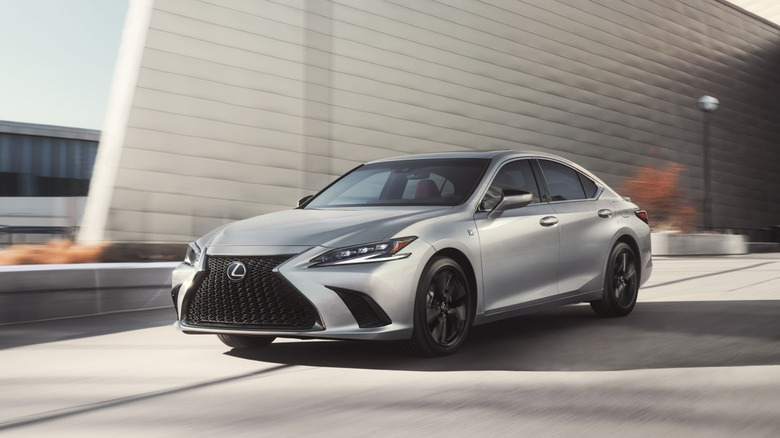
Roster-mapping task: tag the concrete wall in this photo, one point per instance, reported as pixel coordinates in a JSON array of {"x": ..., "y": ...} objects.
[
  {"x": 225, "y": 109},
  {"x": 39, "y": 292},
  {"x": 674, "y": 244}
]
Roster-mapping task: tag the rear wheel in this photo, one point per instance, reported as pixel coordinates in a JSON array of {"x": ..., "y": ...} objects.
[
  {"x": 621, "y": 283},
  {"x": 243, "y": 341},
  {"x": 442, "y": 310}
]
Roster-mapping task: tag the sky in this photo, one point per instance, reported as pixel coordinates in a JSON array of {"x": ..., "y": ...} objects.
[{"x": 57, "y": 60}]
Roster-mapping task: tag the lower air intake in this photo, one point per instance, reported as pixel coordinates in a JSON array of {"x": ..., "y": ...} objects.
[{"x": 366, "y": 311}]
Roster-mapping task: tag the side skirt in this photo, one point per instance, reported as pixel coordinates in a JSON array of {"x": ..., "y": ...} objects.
[{"x": 541, "y": 304}]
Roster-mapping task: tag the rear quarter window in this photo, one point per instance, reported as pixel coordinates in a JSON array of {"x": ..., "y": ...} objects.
[
  {"x": 588, "y": 185},
  {"x": 562, "y": 181}
]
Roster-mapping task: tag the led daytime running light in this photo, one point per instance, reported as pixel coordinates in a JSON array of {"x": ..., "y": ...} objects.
[{"x": 370, "y": 252}]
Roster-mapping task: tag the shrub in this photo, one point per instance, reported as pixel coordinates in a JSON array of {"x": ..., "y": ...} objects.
[
  {"x": 66, "y": 251},
  {"x": 53, "y": 252},
  {"x": 658, "y": 191}
]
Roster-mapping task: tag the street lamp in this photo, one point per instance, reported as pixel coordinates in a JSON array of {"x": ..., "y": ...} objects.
[{"x": 708, "y": 105}]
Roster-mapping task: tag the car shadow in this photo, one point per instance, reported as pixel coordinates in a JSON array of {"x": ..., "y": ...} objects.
[{"x": 572, "y": 338}]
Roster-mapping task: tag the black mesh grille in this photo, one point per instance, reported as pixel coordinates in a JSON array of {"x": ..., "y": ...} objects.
[{"x": 263, "y": 299}]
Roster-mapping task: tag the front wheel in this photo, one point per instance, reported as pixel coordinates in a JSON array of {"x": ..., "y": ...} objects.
[
  {"x": 442, "y": 310},
  {"x": 621, "y": 283},
  {"x": 243, "y": 341}
]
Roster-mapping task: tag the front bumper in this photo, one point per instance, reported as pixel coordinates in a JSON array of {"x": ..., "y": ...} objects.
[{"x": 390, "y": 287}]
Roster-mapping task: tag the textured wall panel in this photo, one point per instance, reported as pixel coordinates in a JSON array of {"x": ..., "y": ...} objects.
[{"x": 241, "y": 107}]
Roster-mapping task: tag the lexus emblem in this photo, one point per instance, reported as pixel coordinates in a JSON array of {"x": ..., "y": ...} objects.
[{"x": 236, "y": 271}]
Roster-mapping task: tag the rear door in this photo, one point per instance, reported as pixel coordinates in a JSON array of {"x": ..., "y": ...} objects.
[{"x": 587, "y": 226}]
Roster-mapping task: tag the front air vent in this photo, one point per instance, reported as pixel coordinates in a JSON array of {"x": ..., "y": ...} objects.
[{"x": 365, "y": 310}]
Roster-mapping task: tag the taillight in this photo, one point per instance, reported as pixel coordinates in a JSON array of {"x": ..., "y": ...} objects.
[{"x": 642, "y": 214}]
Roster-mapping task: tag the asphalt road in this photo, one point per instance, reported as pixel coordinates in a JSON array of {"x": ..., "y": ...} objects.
[{"x": 699, "y": 357}]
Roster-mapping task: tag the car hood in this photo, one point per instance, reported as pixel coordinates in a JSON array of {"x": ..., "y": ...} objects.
[{"x": 322, "y": 227}]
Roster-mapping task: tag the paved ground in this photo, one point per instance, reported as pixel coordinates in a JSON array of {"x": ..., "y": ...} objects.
[{"x": 699, "y": 357}]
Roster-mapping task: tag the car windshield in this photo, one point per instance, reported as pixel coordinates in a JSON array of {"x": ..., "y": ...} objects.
[{"x": 443, "y": 181}]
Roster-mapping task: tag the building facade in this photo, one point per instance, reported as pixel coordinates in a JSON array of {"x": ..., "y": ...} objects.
[
  {"x": 45, "y": 173},
  {"x": 225, "y": 109}
]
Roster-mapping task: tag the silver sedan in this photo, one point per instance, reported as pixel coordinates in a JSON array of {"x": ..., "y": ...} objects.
[{"x": 418, "y": 249}]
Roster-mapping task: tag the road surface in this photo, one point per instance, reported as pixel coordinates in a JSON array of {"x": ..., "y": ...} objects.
[{"x": 699, "y": 357}]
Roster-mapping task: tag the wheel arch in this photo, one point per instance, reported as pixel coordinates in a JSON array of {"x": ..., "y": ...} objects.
[
  {"x": 471, "y": 276},
  {"x": 632, "y": 243},
  {"x": 607, "y": 305}
]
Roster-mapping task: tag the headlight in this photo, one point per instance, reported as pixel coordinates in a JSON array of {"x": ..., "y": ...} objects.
[
  {"x": 193, "y": 254},
  {"x": 366, "y": 253}
]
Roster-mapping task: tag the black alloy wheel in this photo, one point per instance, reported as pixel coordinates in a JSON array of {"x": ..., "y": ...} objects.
[
  {"x": 621, "y": 283},
  {"x": 442, "y": 313}
]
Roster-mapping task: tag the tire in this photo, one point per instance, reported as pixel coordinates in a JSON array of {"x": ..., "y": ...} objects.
[
  {"x": 621, "y": 283},
  {"x": 442, "y": 311},
  {"x": 244, "y": 341}
]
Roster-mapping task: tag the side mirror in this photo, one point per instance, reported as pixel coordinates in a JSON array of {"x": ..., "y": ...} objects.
[
  {"x": 512, "y": 199},
  {"x": 304, "y": 200}
]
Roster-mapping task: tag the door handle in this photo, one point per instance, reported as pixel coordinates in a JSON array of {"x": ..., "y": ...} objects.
[
  {"x": 548, "y": 221},
  {"x": 606, "y": 214}
]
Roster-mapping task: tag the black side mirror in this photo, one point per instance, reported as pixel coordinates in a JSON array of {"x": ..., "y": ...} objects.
[
  {"x": 512, "y": 199},
  {"x": 304, "y": 200}
]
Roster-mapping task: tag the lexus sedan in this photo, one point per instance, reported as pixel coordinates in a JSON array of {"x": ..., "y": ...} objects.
[{"x": 418, "y": 249}]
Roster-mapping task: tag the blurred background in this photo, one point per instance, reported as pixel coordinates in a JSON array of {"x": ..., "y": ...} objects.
[{"x": 219, "y": 110}]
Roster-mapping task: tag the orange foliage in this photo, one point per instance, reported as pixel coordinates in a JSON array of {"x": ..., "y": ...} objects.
[
  {"x": 54, "y": 252},
  {"x": 658, "y": 191}
]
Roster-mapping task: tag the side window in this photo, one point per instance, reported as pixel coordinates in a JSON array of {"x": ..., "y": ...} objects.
[
  {"x": 563, "y": 181},
  {"x": 515, "y": 175},
  {"x": 590, "y": 187}
]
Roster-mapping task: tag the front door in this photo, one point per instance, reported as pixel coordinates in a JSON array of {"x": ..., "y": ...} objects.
[{"x": 520, "y": 251}]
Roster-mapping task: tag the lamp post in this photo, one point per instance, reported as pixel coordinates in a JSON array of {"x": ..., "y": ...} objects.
[{"x": 708, "y": 105}]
